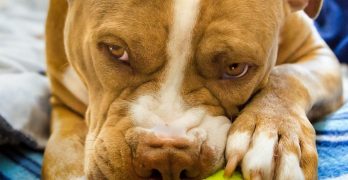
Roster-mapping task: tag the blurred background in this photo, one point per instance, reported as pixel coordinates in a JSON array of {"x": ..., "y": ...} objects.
[
  {"x": 333, "y": 26},
  {"x": 24, "y": 90}
]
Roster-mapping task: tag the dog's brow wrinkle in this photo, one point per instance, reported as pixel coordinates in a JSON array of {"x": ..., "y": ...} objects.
[{"x": 196, "y": 90}]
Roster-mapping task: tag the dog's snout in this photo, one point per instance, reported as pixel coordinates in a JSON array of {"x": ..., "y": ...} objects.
[
  {"x": 166, "y": 158},
  {"x": 176, "y": 143}
]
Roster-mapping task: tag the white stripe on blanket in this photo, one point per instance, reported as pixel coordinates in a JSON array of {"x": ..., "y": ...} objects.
[
  {"x": 333, "y": 138},
  {"x": 343, "y": 177}
]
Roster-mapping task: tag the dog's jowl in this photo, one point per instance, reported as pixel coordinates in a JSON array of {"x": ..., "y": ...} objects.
[{"x": 179, "y": 89}]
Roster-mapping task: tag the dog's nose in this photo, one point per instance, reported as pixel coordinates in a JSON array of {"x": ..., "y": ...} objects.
[{"x": 166, "y": 158}]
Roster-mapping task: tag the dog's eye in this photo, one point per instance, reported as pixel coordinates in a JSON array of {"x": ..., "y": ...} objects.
[
  {"x": 236, "y": 70},
  {"x": 118, "y": 52}
]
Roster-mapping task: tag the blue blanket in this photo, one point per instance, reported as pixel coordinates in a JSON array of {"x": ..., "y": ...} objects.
[
  {"x": 20, "y": 163},
  {"x": 332, "y": 144},
  {"x": 333, "y": 27}
]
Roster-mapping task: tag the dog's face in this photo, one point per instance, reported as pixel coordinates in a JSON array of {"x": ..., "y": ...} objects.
[{"x": 165, "y": 78}]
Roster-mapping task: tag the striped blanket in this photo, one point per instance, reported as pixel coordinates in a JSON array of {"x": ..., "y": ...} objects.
[
  {"x": 332, "y": 143},
  {"x": 20, "y": 163}
]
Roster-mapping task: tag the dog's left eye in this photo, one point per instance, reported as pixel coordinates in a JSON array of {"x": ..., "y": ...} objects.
[
  {"x": 118, "y": 52},
  {"x": 236, "y": 70}
]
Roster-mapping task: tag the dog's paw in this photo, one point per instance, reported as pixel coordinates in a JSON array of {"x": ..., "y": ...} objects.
[{"x": 272, "y": 144}]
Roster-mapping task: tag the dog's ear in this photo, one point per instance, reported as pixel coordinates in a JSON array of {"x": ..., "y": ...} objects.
[{"x": 311, "y": 7}]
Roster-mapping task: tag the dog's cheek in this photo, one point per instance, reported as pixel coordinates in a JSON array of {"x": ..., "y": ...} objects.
[{"x": 108, "y": 156}]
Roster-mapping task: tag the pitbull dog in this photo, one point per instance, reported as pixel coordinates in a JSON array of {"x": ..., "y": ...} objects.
[{"x": 178, "y": 89}]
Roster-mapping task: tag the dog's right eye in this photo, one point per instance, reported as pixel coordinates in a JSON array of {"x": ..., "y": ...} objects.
[
  {"x": 236, "y": 70},
  {"x": 118, "y": 52}
]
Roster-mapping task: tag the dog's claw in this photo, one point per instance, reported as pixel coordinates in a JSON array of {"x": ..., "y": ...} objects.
[{"x": 231, "y": 166}]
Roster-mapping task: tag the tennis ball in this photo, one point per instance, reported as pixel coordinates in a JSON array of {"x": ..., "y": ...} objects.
[{"x": 220, "y": 176}]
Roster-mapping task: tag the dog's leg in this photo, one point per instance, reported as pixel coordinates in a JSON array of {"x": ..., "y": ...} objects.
[
  {"x": 64, "y": 155},
  {"x": 272, "y": 137},
  {"x": 313, "y": 63}
]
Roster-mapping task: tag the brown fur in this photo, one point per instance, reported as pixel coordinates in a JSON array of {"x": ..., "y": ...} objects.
[{"x": 265, "y": 33}]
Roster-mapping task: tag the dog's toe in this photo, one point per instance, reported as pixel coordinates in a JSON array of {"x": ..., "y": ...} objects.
[
  {"x": 289, "y": 167},
  {"x": 288, "y": 164},
  {"x": 259, "y": 160},
  {"x": 237, "y": 146}
]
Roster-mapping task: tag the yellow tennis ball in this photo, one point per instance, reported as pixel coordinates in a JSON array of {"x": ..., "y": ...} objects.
[{"x": 220, "y": 176}]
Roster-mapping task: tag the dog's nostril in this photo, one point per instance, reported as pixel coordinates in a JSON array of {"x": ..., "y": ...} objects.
[
  {"x": 187, "y": 175},
  {"x": 156, "y": 175},
  {"x": 184, "y": 174}
]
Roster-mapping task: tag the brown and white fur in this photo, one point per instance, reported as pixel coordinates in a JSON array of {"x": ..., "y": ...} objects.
[{"x": 168, "y": 112}]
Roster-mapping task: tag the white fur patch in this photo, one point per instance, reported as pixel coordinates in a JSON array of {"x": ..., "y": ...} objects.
[
  {"x": 143, "y": 112},
  {"x": 289, "y": 167},
  {"x": 74, "y": 84},
  {"x": 164, "y": 113},
  {"x": 216, "y": 129},
  {"x": 237, "y": 142},
  {"x": 260, "y": 157},
  {"x": 179, "y": 48}
]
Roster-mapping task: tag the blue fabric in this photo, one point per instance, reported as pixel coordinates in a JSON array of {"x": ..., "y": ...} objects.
[
  {"x": 19, "y": 163},
  {"x": 332, "y": 145},
  {"x": 333, "y": 27}
]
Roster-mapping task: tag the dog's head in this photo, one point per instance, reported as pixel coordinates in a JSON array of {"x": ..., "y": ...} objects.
[{"x": 165, "y": 78}]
